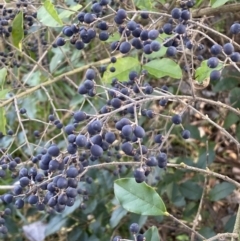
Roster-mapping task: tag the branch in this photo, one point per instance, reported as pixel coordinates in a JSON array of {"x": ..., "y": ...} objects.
[
  {"x": 235, "y": 7},
  {"x": 220, "y": 236}
]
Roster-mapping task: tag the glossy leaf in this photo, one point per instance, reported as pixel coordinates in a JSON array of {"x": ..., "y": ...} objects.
[
  {"x": 123, "y": 66},
  {"x": 138, "y": 198},
  {"x": 68, "y": 13},
  {"x": 230, "y": 119},
  {"x": 3, "y": 93},
  {"x": 203, "y": 72},
  {"x": 163, "y": 67},
  {"x": 221, "y": 191},
  {"x": 2, "y": 121},
  {"x": 17, "y": 31},
  {"x": 218, "y": 3},
  {"x": 3, "y": 75},
  {"x": 48, "y": 15},
  {"x": 152, "y": 234},
  {"x": 235, "y": 97},
  {"x": 143, "y": 4},
  {"x": 191, "y": 190},
  {"x": 116, "y": 216}
]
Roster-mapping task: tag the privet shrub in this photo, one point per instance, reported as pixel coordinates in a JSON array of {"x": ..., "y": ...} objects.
[{"x": 119, "y": 120}]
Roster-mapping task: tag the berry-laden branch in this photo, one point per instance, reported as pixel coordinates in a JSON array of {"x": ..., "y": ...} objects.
[{"x": 122, "y": 131}]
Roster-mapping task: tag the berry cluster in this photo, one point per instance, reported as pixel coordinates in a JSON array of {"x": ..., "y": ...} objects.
[
  {"x": 7, "y": 14},
  {"x": 116, "y": 130},
  {"x": 3, "y": 214}
]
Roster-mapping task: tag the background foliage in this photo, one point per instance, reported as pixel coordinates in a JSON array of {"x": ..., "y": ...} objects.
[{"x": 44, "y": 80}]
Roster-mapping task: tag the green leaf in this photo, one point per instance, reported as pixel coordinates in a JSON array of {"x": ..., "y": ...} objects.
[
  {"x": 235, "y": 97},
  {"x": 218, "y": 3},
  {"x": 238, "y": 131},
  {"x": 138, "y": 198},
  {"x": 203, "y": 72},
  {"x": 3, "y": 93},
  {"x": 226, "y": 83},
  {"x": 163, "y": 67},
  {"x": 116, "y": 216},
  {"x": 143, "y": 4},
  {"x": 68, "y": 13},
  {"x": 48, "y": 15},
  {"x": 221, "y": 190},
  {"x": 113, "y": 37},
  {"x": 191, "y": 190},
  {"x": 152, "y": 234},
  {"x": 2, "y": 121},
  {"x": 3, "y": 75},
  {"x": 231, "y": 119},
  {"x": 175, "y": 195},
  {"x": 123, "y": 67},
  {"x": 17, "y": 30}
]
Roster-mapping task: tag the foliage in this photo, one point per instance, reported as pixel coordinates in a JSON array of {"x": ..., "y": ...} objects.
[{"x": 118, "y": 118}]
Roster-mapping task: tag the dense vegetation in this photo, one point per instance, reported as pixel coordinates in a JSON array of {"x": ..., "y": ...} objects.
[{"x": 119, "y": 120}]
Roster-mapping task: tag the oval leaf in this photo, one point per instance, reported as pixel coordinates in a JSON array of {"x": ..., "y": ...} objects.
[
  {"x": 138, "y": 198},
  {"x": 48, "y": 15},
  {"x": 3, "y": 75},
  {"x": 68, "y": 13},
  {"x": 163, "y": 67},
  {"x": 191, "y": 190},
  {"x": 17, "y": 31},
  {"x": 152, "y": 234},
  {"x": 203, "y": 72},
  {"x": 218, "y": 3},
  {"x": 2, "y": 121},
  {"x": 123, "y": 67},
  {"x": 221, "y": 190},
  {"x": 143, "y": 4}
]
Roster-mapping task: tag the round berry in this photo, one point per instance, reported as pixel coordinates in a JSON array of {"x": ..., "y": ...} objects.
[
  {"x": 79, "y": 45},
  {"x": 235, "y": 57},
  {"x": 121, "y": 13},
  {"x": 116, "y": 103},
  {"x": 139, "y": 132},
  {"x": 96, "y": 150},
  {"x": 131, "y": 25},
  {"x": 139, "y": 175},
  {"x": 103, "y": 36},
  {"x": 212, "y": 62},
  {"x": 19, "y": 203},
  {"x": 88, "y": 18},
  {"x": 96, "y": 8},
  {"x": 134, "y": 228},
  {"x": 60, "y": 41},
  {"x": 171, "y": 51},
  {"x": 215, "y": 75},
  {"x": 153, "y": 34},
  {"x": 180, "y": 29},
  {"x": 127, "y": 148},
  {"x": 8, "y": 198},
  {"x": 125, "y": 47},
  {"x": 228, "y": 48},
  {"x": 53, "y": 150},
  {"x": 155, "y": 46},
  {"x": 62, "y": 183},
  {"x": 176, "y": 13},
  {"x": 216, "y": 49},
  {"x": 167, "y": 28},
  {"x": 186, "y": 134},
  {"x": 235, "y": 28},
  {"x": 110, "y": 137},
  {"x": 176, "y": 119},
  {"x": 185, "y": 15},
  {"x": 79, "y": 116}
]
